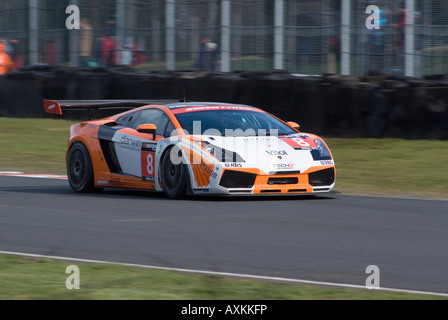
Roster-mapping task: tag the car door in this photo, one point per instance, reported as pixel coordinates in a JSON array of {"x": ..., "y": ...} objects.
[{"x": 136, "y": 151}]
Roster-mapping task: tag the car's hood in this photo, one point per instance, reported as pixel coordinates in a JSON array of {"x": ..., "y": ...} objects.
[{"x": 268, "y": 153}]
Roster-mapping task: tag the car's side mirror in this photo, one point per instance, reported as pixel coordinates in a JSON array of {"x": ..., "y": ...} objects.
[
  {"x": 148, "y": 128},
  {"x": 294, "y": 125}
]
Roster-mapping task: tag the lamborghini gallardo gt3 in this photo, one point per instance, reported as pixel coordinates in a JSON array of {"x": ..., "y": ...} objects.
[{"x": 200, "y": 148}]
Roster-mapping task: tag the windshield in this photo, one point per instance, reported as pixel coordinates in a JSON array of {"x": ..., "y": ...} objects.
[{"x": 232, "y": 123}]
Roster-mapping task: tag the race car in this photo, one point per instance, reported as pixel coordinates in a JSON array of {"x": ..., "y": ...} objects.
[{"x": 193, "y": 148}]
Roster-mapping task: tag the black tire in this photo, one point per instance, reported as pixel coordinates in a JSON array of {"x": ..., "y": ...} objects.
[
  {"x": 79, "y": 168},
  {"x": 174, "y": 176}
]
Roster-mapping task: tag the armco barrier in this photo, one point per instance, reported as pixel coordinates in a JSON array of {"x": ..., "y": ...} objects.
[{"x": 377, "y": 105}]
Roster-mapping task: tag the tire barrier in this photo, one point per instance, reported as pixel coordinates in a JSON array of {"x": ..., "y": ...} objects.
[{"x": 377, "y": 105}]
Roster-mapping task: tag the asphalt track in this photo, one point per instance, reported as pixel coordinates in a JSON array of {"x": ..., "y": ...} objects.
[{"x": 330, "y": 238}]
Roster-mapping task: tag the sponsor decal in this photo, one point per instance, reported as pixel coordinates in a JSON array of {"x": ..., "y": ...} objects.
[
  {"x": 201, "y": 189},
  {"x": 284, "y": 165},
  {"x": 102, "y": 182},
  {"x": 233, "y": 165},
  {"x": 277, "y": 152},
  {"x": 327, "y": 162},
  {"x": 149, "y": 147},
  {"x": 208, "y": 169},
  {"x": 212, "y": 108},
  {"x": 268, "y": 140},
  {"x": 203, "y": 171},
  {"x": 130, "y": 142}
]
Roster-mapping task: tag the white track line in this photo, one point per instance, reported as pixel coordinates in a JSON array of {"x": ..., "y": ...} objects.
[
  {"x": 31, "y": 175},
  {"x": 227, "y": 274}
]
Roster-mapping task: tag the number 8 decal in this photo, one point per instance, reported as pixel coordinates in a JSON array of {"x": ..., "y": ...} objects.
[
  {"x": 301, "y": 142},
  {"x": 150, "y": 162}
]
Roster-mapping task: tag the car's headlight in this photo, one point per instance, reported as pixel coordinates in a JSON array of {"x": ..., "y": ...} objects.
[
  {"x": 221, "y": 154},
  {"x": 322, "y": 151}
]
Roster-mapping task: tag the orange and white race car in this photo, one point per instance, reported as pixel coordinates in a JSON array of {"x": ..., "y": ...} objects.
[{"x": 201, "y": 148}]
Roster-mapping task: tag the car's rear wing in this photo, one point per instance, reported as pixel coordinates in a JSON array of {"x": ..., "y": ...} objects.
[{"x": 57, "y": 107}]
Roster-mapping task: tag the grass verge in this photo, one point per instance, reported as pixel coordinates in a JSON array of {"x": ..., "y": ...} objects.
[{"x": 45, "y": 279}]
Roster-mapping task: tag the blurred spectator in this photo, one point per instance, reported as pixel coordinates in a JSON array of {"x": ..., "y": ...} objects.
[
  {"x": 139, "y": 55},
  {"x": 208, "y": 55},
  {"x": 127, "y": 52},
  {"x": 303, "y": 54},
  {"x": 50, "y": 52},
  {"x": 85, "y": 43},
  {"x": 377, "y": 42},
  {"x": 109, "y": 51},
  {"x": 400, "y": 24},
  {"x": 6, "y": 63},
  {"x": 13, "y": 49},
  {"x": 334, "y": 53},
  {"x": 98, "y": 50},
  {"x": 335, "y": 46},
  {"x": 136, "y": 57},
  {"x": 111, "y": 25},
  {"x": 364, "y": 47},
  {"x": 105, "y": 47},
  {"x": 399, "y": 45}
]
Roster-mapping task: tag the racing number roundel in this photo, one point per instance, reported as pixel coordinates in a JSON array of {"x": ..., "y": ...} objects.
[
  {"x": 301, "y": 142},
  {"x": 148, "y": 158},
  {"x": 150, "y": 164}
]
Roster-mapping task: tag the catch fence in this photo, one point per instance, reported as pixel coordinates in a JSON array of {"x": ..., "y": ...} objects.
[{"x": 408, "y": 37}]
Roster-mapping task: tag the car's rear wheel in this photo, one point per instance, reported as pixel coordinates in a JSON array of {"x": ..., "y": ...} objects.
[
  {"x": 174, "y": 174},
  {"x": 79, "y": 168}
]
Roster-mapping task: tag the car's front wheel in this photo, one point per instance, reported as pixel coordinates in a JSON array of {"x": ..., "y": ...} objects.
[
  {"x": 174, "y": 174},
  {"x": 79, "y": 168}
]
